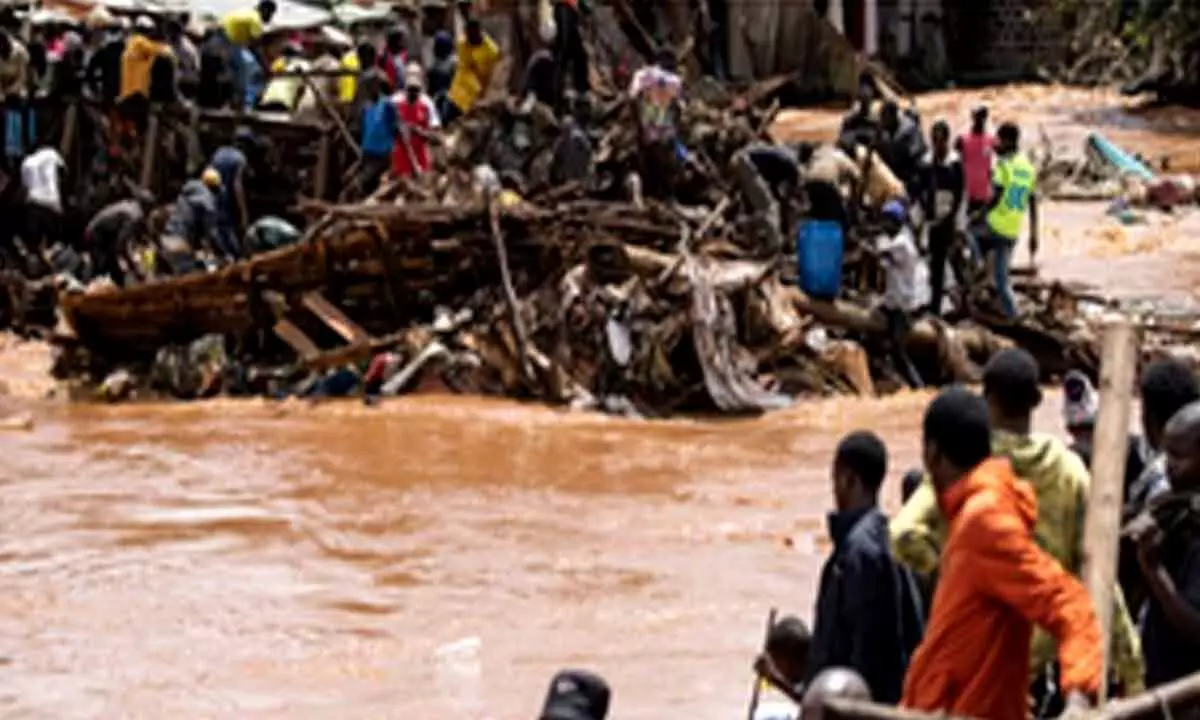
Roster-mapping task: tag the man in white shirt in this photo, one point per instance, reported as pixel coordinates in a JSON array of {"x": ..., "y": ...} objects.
[
  {"x": 41, "y": 174},
  {"x": 897, "y": 250}
]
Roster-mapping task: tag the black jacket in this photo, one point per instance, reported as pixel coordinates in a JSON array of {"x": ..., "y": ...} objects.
[{"x": 869, "y": 615}]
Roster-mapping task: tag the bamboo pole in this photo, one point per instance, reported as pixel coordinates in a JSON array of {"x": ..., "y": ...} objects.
[{"x": 1103, "y": 523}]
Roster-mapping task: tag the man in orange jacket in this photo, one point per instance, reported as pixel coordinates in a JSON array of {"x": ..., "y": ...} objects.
[{"x": 995, "y": 582}]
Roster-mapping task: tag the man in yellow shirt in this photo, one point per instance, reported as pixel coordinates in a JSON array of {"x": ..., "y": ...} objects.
[
  {"x": 283, "y": 93},
  {"x": 478, "y": 56},
  {"x": 141, "y": 50},
  {"x": 1014, "y": 195},
  {"x": 243, "y": 30}
]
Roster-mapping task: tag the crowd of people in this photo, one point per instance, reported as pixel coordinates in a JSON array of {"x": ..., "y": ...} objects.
[{"x": 969, "y": 600}]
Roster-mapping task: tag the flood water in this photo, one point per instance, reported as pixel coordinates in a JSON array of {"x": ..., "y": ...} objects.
[{"x": 433, "y": 558}]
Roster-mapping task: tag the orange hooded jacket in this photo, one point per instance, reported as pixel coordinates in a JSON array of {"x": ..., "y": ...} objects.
[{"x": 995, "y": 583}]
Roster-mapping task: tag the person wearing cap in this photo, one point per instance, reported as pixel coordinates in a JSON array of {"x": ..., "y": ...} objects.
[
  {"x": 395, "y": 57},
  {"x": 418, "y": 119},
  {"x": 191, "y": 225},
  {"x": 242, "y": 30},
  {"x": 576, "y": 695},
  {"x": 283, "y": 93},
  {"x": 1060, "y": 481},
  {"x": 655, "y": 90},
  {"x": 896, "y": 248},
  {"x": 478, "y": 57}
]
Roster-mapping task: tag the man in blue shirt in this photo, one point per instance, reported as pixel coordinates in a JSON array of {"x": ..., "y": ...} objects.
[{"x": 380, "y": 126}]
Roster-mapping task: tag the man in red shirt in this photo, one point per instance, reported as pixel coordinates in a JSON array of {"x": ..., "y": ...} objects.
[{"x": 418, "y": 120}]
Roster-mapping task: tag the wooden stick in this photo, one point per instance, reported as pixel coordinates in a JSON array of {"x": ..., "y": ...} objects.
[
  {"x": 1183, "y": 694},
  {"x": 1103, "y": 524},
  {"x": 149, "y": 152},
  {"x": 756, "y": 691},
  {"x": 509, "y": 292},
  {"x": 339, "y": 123}
]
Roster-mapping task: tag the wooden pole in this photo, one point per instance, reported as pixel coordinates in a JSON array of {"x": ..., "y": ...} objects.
[
  {"x": 321, "y": 173},
  {"x": 1183, "y": 694},
  {"x": 1101, "y": 532},
  {"x": 756, "y": 691}
]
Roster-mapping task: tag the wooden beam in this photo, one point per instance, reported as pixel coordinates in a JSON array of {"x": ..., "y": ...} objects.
[
  {"x": 149, "y": 152},
  {"x": 295, "y": 337},
  {"x": 321, "y": 173},
  {"x": 337, "y": 320},
  {"x": 1183, "y": 694},
  {"x": 1102, "y": 526}
]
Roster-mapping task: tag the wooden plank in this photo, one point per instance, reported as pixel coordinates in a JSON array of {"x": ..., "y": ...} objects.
[
  {"x": 332, "y": 316},
  {"x": 295, "y": 337},
  {"x": 1102, "y": 526},
  {"x": 150, "y": 152}
]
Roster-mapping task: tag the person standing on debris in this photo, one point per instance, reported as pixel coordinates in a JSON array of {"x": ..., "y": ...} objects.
[
  {"x": 995, "y": 581},
  {"x": 901, "y": 145},
  {"x": 655, "y": 90},
  {"x": 897, "y": 251},
  {"x": 380, "y": 128},
  {"x": 191, "y": 225},
  {"x": 14, "y": 83},
  {"x": 1060, "y": 482},
  {"x": 478, "y": 57},
  {"x": 830, "y": 177},
  {"x": 1168, "y": 551},
  {"x": 1166, "y": 387},
  {"x": 142, "y": 49},
  {"x": 283, "y": 93},
  {"x": 768, "y": 176},
  {"x": 233, "y": 212},
  {"x": 941, "y": 187},
  {"x": 859, "y": 126},
  {"x": 110, "y": 237},
  {"x": 41, "y": 175},
  {"x": 103, "y": 69},
  {"x": 394, "y": 58},
  {"x": 868, "y": 616},
  {"x": 418, "y": 120},
  {"x": 977, "y": 147},
  {"x": 569, "y": 53},
  {"x": 187, "y": 58},
  {"x": 1014, "y": 195},
  {"x": 441, "y": 70},
  {"x": 216, "y": 79},
  {"x": 243, "y": 30},
  {"x": 539, "y": 79},
  {"x": 573, "y": 153}
]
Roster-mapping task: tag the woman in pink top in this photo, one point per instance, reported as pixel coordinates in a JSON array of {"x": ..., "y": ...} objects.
[{"x": 976, "y": 149}]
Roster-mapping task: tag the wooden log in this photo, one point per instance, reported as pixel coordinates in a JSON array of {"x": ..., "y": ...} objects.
[
  {"x": 295, "y": 337},
  {"x": 1103, "y": 523},
  {"x": 510, "y": 294},
  {"x": 1182, "y": 694},
  {"x": 332, "y": 316}
]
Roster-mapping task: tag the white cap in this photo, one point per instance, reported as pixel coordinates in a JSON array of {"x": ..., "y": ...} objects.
[
  {"x": 414, "y": 74},
  {"x": 143, "y": 23},
  {"x": 99, "y": 17}
]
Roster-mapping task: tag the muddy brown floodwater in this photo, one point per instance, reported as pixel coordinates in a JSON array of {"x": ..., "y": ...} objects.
[{"x": 438, "y": 557}]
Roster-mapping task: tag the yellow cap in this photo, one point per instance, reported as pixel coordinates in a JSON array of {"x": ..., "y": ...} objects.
[{"x": 211, "y": 178}]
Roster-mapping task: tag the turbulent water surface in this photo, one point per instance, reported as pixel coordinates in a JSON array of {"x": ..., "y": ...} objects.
[{"x": 437, "y": 557}]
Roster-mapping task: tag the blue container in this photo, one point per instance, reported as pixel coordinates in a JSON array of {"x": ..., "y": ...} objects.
[{"x": 820, "y": 248}]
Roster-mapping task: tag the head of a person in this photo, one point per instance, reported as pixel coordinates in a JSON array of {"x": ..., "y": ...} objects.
[
  {"x": 788, "y": 644},
  {"x": 1181, "y": 443},
  {"x": 174, "y": 29},
  {"x": 979, "y": 118},
  {"x": 909, "y": 484},
  {"x": 956, "y": 435},
  {"x": 832, "y": 684},
  {"x": 1010, "y": 386},
  {"x": 474, "y": 32},
  {"x": 894, "y": 215},
  {"x": 1167, "y": 387},
  {"x": 1080, "y": 404},
  {"x": 1008, "y": 139},
  {"x": 211, "y": 179},
  {"x": 266, "y": 10},
  {"x": 866, "y": 92},
  {"x": 414, "y": 80},
  {"x": 940, "y": 135},
  {"x": 665, "y": 58},
  {"x": 144, "y": 25},
  {"x": 576, "y": 695},
  {"x": 859, "y": 466},
  {"x": 396, "y": 40},
  {"x": 889, "y": 116},
  {"x": 368, "y": 56},
  {"x": 443, "y": 45}
]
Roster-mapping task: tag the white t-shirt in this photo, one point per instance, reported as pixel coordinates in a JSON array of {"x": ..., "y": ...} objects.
[
  {"x": 902, "y": 263},
  {"x": 39, "y": 174}
]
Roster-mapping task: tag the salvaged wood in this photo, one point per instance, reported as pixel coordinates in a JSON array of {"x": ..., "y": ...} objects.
[{"x": 1102, "y": 526}]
